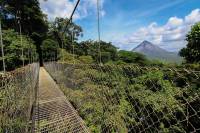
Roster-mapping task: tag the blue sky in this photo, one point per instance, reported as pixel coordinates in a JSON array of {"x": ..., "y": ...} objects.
[{"x": 126, "y": 23}]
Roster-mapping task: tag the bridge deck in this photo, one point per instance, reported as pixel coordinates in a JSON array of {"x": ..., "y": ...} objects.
[{"x": 53, "y": 112}]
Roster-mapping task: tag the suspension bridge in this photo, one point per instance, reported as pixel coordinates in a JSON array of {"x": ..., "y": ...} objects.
[
  {"x": 80, "y": 98},
  {"x": 94, "y": 98}
]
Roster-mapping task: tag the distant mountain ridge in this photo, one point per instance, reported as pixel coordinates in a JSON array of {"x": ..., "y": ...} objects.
[{"x": 154, "y": 52}]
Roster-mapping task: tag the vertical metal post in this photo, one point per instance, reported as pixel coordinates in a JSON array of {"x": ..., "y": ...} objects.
[
  {"x": 73, "y": 46},
  {"x": 20, "y": 32},
  {"x": 29, "y": 59},
  {"x": 2, "y": 49},
  {"x": 33, "y": 54},
  {"x": 63, "y": 49},
  {"x": 54, "y": 56},
  {"x": 98, "y": 29}
]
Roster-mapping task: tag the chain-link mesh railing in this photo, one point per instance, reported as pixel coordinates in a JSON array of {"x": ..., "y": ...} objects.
[
  {"x": 17, "y": 95},
  {"x": 132, "y": 98}
]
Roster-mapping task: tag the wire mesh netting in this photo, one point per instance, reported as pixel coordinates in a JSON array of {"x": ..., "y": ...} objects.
[
  {"x": 53, "y": 112},
  {"x": 132, "y": 98},
  {"x": 17, "y": 95}
]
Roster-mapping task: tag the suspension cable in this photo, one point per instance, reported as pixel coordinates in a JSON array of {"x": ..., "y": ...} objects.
[
  {"x": 73, "y": 47},
  {"x": 2, "y": 49},
  {"x": 70, "y": 19},
  {"x": 1, "y": 40},
  {"x": 99, "y": 34},
  {"x": 65, "y": 28},
  {"x": 72, "y": 39},
  {"x": 62, "y": 50}
]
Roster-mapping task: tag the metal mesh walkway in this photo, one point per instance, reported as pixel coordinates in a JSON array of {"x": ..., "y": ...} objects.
[{"x": 53, "y": 113}]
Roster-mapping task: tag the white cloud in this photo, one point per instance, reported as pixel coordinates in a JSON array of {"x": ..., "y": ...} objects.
[
  {"x": 54, "y": 8},
  {"x": 174, "y": 22},
  {"x": 64, "y": 8},
  {"x": 193, "y": 17},
  {"x": 170, "y": 36}
]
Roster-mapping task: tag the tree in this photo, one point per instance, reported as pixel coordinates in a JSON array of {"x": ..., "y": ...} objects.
[
  {"x": 109, "y": 48},
  {"x": 64, "y": 34},
  {"x": 132, "y": 57},
  {"x": 66, "y": 57},
  {"x": 28, "y": 15},
  {"x": 86, "y": 59},
  {"x": 13, "y": 49},
  {"x": 192, "y": 52},
  {"x": 49, "y": 49},
  {"x": 108, "y": 51}
]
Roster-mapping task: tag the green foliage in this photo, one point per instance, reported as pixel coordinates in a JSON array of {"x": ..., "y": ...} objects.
[
  {"x": 109, "y": 54},
  {"x": 49, "y": 49},
  {"x": 132, "y": 57},
  {"x": 152, "y": 89},
  {"x": 192, "y": 52},
  {"x": 86, "y": 59},
  {"x": 66, "y": 57},
  {"x": 120, "y": 62},
  {"x": 192, "y": 66},
  {"x": 157, "y": 63},
  {"x": 13, "y": 49},
  {"x": 15, "y": 94},
  {"x": 32, "y": 18},
  {"x": 116, "y": 98},
  {"x": 63, "y": 34},
  {"x": 32, "y": 21},
  {"x": 108, "y": 51},
  {"x": 105, "y": 57}
]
